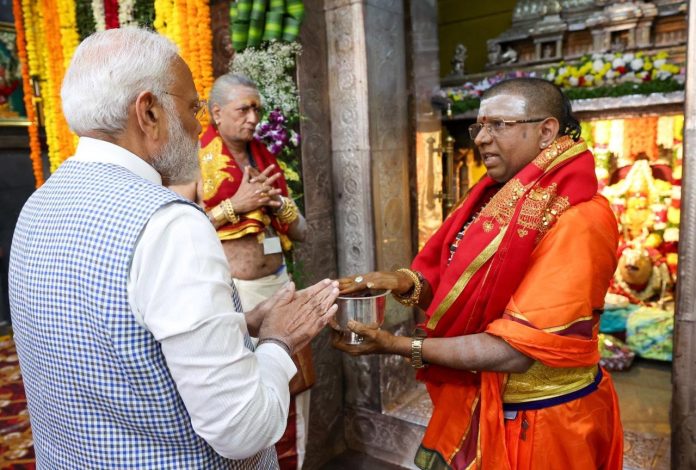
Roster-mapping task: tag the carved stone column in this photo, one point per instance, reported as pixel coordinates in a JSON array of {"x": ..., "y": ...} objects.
[
  {"x": 684, "y": 363},
  {"x": 317, "y": 256}
]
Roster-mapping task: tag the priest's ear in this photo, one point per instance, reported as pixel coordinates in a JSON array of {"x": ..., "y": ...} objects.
[{"x": 549, "y": 131}]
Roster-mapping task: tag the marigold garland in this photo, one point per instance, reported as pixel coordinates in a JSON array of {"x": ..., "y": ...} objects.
[
  {"x": 61, "y": 142},
  {"x": 187, "y": 23},
  {"x": 30, "y": 34},
  {"x": 34, "y": 142},
  {"x": 163, "y": 16},
  {"x": 53, "y": 29},
  {"x": 69, "y": 37}
]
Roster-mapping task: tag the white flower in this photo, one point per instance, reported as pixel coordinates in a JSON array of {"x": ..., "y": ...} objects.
[
  {"x": 628, "y": 57},
  {"x": 589, "y": 78},
  {"x": 562, "y": 71},
  {"x": 637, "y": 64},
  {"x": 618, "y": 62},
  {"x": 659, "y": 63},
  {"x": 628, "y": 78},
  {"x": 611, "y": 74},
  {"x": 597, "y": 66},
  {"x": 573, "y": 81}
]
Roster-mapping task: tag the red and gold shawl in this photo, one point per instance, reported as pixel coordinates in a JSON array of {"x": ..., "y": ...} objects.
[
  {"x": 221, "y": 179},
  {"x": 474, "y": 288}
]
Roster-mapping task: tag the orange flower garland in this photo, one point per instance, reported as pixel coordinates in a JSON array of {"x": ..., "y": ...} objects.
[
  {"x": 34, "y": 143},
  {"x": 60, "y": 140},
  {"x": 204, "y": 38},
  {"x": 187, "y": 23}
]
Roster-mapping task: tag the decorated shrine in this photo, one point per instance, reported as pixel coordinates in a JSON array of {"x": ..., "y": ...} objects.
[{"x": 622, "y": 65}]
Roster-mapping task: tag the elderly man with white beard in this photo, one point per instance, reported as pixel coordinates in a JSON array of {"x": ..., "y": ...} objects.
[{"x": 131, "y": 341}]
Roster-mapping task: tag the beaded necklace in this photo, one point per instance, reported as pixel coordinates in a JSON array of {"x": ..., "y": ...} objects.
[{"x": 455, "y": 244}]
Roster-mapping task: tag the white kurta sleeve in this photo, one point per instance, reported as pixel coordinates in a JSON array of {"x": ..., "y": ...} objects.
[{"x": 179, "y": 290}]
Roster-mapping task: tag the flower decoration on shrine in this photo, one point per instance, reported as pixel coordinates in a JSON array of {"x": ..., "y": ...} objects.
[
  {"x": 593, "y": 76},
  {"x": 613, "y": 69}
]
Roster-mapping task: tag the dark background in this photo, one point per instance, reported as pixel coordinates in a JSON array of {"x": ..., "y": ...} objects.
[{"x": 16, "y": 185}]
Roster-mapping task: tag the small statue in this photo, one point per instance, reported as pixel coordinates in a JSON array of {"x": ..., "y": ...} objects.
[
  {"x": 509, "y": 56},
  {"x": 494, "y": 53},
  {"x": 459, "y": 61}
]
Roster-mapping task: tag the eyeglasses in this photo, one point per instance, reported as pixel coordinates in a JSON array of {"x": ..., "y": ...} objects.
[
  {"x": 496, "y": 126},
  {"x": 200, "y": 108}
]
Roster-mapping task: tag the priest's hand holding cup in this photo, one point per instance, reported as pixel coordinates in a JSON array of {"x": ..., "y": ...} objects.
[
  {"x": 395, "y": 281},
  {"x": 374, "y": 340}
]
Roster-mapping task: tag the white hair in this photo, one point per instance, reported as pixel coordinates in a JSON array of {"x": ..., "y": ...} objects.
[
  {"x": 220, "y": 92},
  {"x": 108, "y": 71}
]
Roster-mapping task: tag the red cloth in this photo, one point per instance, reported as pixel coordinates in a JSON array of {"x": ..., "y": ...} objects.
[
  {"x": 222, "y": 178},
  {"x": 467, "y": 429}
]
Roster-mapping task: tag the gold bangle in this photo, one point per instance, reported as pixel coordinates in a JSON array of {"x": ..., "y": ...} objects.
[
  {"x": 417, "y": 352},
  {"x": 228, "y": 210},
  {"x": 417, "y": 286},
  {"x": 288, "y": 212},
  {"x": 217, "y": 214}
]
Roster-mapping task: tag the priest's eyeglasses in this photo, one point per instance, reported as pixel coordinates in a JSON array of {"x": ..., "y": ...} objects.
[{"x": 496, "y": 126}]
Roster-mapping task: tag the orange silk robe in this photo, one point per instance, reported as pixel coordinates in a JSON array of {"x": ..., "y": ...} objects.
[{"x": 552, "y": 317}]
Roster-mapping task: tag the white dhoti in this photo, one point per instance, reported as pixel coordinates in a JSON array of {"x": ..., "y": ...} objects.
[{"x": 252, "y": 293}]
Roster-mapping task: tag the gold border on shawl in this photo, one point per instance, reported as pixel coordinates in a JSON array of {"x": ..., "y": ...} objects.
[
  {"x": 551, "y": 329},
  {"x": 468, "y": 430},
  {"x": 224, "y": 235},
  {"x": 575, "y": 150},
  {"x": 464, "y": 279}
]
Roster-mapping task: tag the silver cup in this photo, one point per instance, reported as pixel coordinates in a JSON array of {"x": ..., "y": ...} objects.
[{"x": 366, "y": 306}]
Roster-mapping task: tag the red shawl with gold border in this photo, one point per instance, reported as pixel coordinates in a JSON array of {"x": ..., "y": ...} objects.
[
  {"x": 222, "y": 177},
  {"x": 475, "y": 287}
]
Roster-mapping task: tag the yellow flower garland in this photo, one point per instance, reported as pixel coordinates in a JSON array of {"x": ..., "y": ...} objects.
[
  {"x": 163, "y": 16},
  {"x": 49, "y": 23},
  {"x": 187, "y": 23},
  {"x": 69, "y": 38},
  {"x": 30, "y": 29}
]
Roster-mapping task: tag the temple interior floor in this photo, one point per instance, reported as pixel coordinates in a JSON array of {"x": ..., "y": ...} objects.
[{"x": 645, "y": 394}]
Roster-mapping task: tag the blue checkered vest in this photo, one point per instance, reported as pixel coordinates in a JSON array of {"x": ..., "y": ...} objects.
[{"x": 99, "y": 391}]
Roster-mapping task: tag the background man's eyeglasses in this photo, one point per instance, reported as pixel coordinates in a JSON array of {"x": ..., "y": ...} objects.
[{"x": 496, "y": 126}]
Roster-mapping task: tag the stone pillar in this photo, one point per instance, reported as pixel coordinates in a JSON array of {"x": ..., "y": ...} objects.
[
  {"x": 684, "y": 363},
  {"x": 370, "y": 94},
  {"x": 317, "y": 256},
  {"x": 367, "y": 87}
]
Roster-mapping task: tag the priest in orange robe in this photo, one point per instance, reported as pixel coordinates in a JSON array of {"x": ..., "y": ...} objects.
[{"x": 512, "y": 285}]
